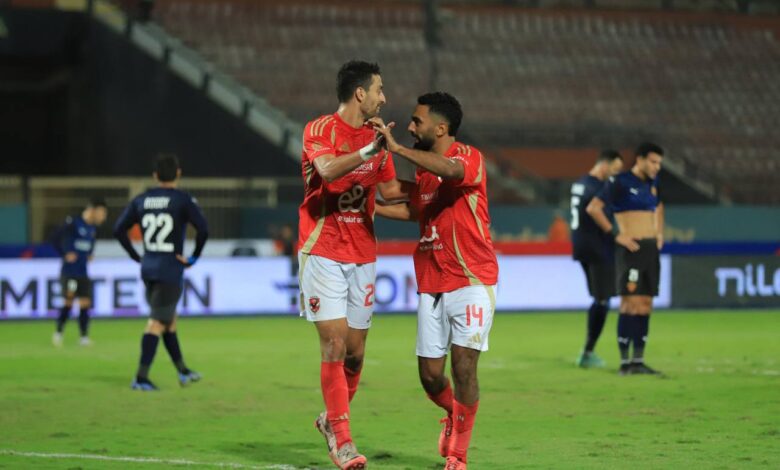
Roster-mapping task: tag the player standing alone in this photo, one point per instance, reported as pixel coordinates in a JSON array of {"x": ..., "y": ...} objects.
[
  {"x": 635, "y": 200},
  {"x": 594, "y": 249},
  {"x": 454, "y": 263},
  {"x": 75, "y": 242},
  {"x": 342, "y": 166},
  {"x": 163, "y": 213}
]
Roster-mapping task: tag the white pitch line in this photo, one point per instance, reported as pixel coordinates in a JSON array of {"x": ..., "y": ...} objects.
[{"x": 152, "y": 460}]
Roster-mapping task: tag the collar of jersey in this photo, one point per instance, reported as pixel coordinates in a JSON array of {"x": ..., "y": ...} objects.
[{"x": 341, "y": 123}]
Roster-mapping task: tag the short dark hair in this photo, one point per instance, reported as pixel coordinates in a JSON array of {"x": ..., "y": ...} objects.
[
  {"x": 609, "y": 155},
  {"x": 97, "y": 202},
  {"x": 646, "y": 148},
  {"x": 446, "y": 106},
  {"x": 166, "y": 166},
  {"x": 354, "y": 74}
]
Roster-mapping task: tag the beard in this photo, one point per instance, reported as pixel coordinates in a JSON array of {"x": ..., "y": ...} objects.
[{"x": 423, "y": 144}]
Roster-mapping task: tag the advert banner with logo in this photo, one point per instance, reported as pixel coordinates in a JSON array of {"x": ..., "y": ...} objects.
[
  {"x": 236, "y": 286},
  {"x": 726, "y": 281}
]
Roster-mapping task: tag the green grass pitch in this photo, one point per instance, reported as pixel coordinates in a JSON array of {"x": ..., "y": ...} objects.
[{"x": 718, "y": 408}]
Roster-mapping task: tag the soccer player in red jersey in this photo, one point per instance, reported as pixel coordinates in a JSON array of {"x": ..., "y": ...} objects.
[
  {"x": 454, "y": 262},
  {"x": 343, "y": 165}
]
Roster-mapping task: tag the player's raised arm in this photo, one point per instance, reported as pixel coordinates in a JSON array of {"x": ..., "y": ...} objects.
[
  {"x": 439, "y": 165},
  {"x": 123, "y": 224},
  {"x": 330, "y": 167}
]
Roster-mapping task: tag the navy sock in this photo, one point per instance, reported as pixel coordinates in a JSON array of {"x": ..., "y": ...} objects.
[
  {"x": 640, "y": 337},
  {"x": 171, "y": 342},
  {"x": 597, "y": 315},
  {"x": 624, "y": 336},
  {"x": 64, "y": 314},
  {"x": 148, "y": 349},
  {"x": 84, "y": 322}
]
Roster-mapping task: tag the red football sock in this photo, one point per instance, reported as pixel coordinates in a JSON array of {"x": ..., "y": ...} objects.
[
  {"x": 336, "y": 395},
  {"x": 353, "y": 377},
  {"x": 444, "y": 399},
  {"x": 463, "y": 421}
]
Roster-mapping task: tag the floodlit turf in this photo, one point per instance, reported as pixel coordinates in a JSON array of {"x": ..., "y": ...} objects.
[{"x": 719, "y": 407}]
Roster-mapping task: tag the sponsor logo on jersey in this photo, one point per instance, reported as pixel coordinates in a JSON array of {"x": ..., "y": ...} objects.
[
  {"x": 353, "y": 200},
  {"x": 427, "y": 197},
  {"x": 427, "y": 243},
  {"x": 82, "y": 245},
  {"x": 367, "y": 167}
]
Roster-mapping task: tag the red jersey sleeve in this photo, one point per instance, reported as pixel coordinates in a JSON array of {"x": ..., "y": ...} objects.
[
  {"x": 387, "y": 168},
  {"x": 473, "y": 167},
  {"x": 317, "y": 139}
]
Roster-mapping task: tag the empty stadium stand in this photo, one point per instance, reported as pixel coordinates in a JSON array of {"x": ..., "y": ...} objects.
[{"x": 705, "y": 86}]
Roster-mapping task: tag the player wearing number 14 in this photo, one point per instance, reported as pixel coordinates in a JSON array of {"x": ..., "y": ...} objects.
[{"x": 163, "y": 213}]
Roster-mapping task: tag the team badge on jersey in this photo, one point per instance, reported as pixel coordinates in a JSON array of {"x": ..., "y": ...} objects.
[{"x": 314, "y": 304}]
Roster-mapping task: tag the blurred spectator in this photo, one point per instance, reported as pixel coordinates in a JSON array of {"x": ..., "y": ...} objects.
[{"x": 559, "y": 229}]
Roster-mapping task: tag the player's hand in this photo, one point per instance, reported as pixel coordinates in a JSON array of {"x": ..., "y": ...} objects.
[
  {"x": 659, "y": 240},
  {"x": 629, "y": 243},
  {"x": 385, "y": 133},
  {"x": 187, "y": 262},
  {"x": 71, "y": 257},
  {"x": 90, "y": 257}
]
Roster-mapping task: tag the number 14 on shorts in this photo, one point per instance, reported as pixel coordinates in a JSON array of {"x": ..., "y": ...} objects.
[{"x": 473, "y": 312}]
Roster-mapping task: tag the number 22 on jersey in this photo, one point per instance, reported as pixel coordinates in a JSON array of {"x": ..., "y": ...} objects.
[{"x": 156, "y": 229}]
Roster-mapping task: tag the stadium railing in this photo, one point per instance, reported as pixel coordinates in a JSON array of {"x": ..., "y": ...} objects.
[{"x": 51, "y": 199}]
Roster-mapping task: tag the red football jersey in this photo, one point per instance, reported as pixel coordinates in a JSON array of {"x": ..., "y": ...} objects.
[
  {"x": 336, "y": 220},
  {"x": 455, "y": 248}
]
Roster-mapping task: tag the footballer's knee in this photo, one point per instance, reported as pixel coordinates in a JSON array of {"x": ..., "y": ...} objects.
[
  {"x": 353, "y": 362},
  {"x": 155, "y": 327},
  {"x": 333, "y": 349},
  {"x": 432, "y": 375}
]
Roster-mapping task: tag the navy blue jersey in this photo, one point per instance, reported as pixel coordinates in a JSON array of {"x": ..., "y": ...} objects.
[
  {"x": 589, "y": 242},
  {"x": 628, "y": 192},
  {"x": 75, "y": 236},
  {"x": 163, "y": 214}
]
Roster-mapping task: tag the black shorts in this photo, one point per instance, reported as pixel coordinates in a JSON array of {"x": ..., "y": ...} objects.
[
  {"x": 162, "y": 298},
  {"x": 638, "y": 273},
  {"x": 80, "y": 287},
  {"x": 601, "y": 279}
]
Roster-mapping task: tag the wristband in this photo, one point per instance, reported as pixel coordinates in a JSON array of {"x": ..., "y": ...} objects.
[
  {"x": 615, "y": 231},
  {"x": 368, "y": 151},
  {"x": 192, "y": 260}
]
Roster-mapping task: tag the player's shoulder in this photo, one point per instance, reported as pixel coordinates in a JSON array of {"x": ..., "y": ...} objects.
[
  {"x": 625, "y": 177},
  {"x": 467, "y": 150},
  {"x": 320, "y": 126}
]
